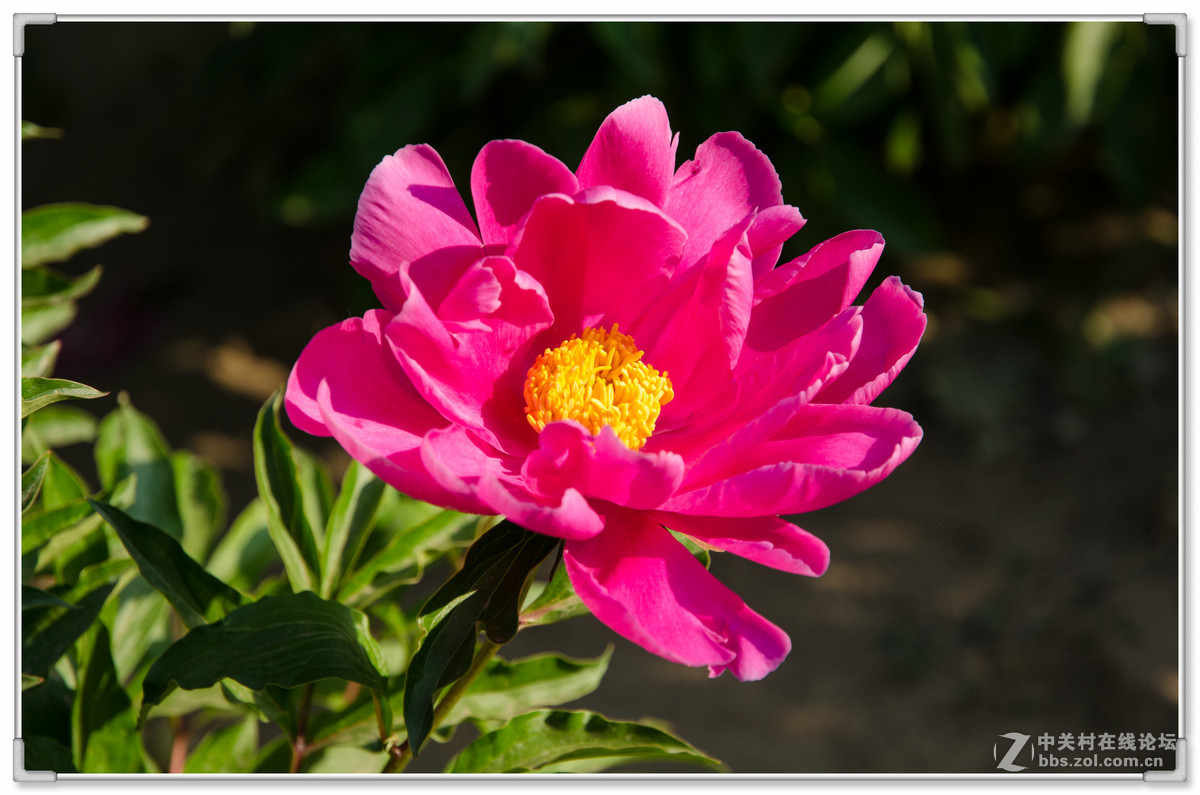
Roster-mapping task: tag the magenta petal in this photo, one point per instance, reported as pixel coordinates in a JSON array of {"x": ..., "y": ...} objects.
[
  {"x": 799, "y": 296},
  {"x": 386, "y": 431},
  {"x": 644, "y": 585},
  {"x": 821, "y": 455},
  {"x": 768, "y": 540},
  {"x": 567, "y": 516},
  {"x": 633, "y": 150},
  {"x": 506, "y": 179},
  {"x": 464, "y": 369},
  {"x": 727, "y": 180},
  {"x": 771, "y": 228},
  {"x": 893, "y": 322},
  {"x": 603, "y": 256},
  {"x": 409, "y": 209},
  {"x": 600, "y": 466}
]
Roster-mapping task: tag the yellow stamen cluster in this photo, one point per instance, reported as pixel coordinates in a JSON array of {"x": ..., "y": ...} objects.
[{"x": 597, "y": 378}]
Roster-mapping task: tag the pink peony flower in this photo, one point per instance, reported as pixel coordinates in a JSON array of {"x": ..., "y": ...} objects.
[{"x": 608, "y": 353}]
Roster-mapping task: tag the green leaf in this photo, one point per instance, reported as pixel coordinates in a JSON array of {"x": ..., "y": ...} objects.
[
  {"x": 45, "y": 287},
  {"x": 536, "y": 740},
  {"x": 279, "y": 487},
  {"x": 54, "y": 232},
  {"x": 29, "y": 131},
  {"x": 31, "y": 481},
  {"x": 506, "y": 689},
  {"x": 345, "y": 759},
  {"x": 556, "y": 602},
  {"x": 200, "y": 501},
  {"x": 62, "y": 484},
  {"x": 233, "y": 749},
  {"x": 245, "y": 553},
  {"x": 39, "y": 361},
  {"x": 351, "y": 520},
  {"x": 41, "y": 323},
  {"x": 130, "y": 443},
  {"x": 316, "y": 493},
  {"x": 40, "y": 526},
  {"x": 287, "y": 640},
  {"x": 28, "y": 681},
  {"x": 47, "y": 639},
  {"x": 43, "y": 753},
  {"x": 39, "y": 392},
  {"x": 196, "y": 595},
  {"x": 405, "y": 556},
  {"x": 33, "y": 598},
  {"x": 102, "y": 719},
  {"x": 55, "y": 427}
]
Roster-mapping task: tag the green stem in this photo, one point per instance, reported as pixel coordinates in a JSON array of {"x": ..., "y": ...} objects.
[
  {"x": 300, "y": 745},
  {"x": 402, "y": 754}
]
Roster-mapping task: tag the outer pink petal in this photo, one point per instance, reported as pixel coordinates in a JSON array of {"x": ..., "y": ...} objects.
[
  {"x": 506, "y": 179},
  {"x": 389, "y": 437},
  {"x": 727, "y": 180},
  {"x": 633, "y": 150},
  {"x": 409, "y": 210},
  {"x": 819, "y": 456},
  {"x": 799, "y": 296},
  {"x": 603, "y": 256},
  {"x": 568, "y": 515},
  {"x": 465, "y": 369},
  {"x": 600, "y": 466},
  {"x": 644, "y": 585},
  {"x": 768, "y": 540},
  {"x": 771, "y": 228},
  {"x": 893, "y": 322}
]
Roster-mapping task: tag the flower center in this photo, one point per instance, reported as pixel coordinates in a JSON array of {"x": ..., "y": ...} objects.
[{"x": 597, "y": 378}]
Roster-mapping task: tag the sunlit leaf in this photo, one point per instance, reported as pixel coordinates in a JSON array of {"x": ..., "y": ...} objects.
[
  {"x": 287, "y": 640},
  {"x": 42, "y": 323},
  {"x": 506, "y": 689},
  {"x": 54, "y": 232},
  {"x": 533, "y": 741},
  {"x": 200, "y": 500},
  {"x": 199, "y": 597},
  {"x": 39, "y": 392},
  {"x": 102, "y": 718},
  {"x": 350, "y": 521},
  {"x": 246, "y": 552},
  {"x": 233, "y": 749},
  {"x": 39, "y": 362},
  {"x": 54, "y": 428},
  {"x": 28, "y": 681},
  {"x": 30, "y": 131},
  {"x": 44, "y": 287},
  {"x": 280, "y": 489},
  {"x": 31, "y": 481},
  {"x": 128, "y": 442},
  {"x": 556, "y": 602},
  {"x": 345, "y": 759}
]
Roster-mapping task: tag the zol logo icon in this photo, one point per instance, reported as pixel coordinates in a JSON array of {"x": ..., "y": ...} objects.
[{"x": 1018, "y": 743}]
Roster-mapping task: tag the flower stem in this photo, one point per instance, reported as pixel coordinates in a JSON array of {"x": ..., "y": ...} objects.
[
  {"x": 300, "y": 745},
  {"x": 402, "y": 754}
]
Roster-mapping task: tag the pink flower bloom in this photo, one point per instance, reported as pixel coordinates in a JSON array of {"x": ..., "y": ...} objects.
[{"x": 611, "y": 352}]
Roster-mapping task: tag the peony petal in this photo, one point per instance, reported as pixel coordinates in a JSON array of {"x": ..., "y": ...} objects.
[
  {"x": 466, "y": 369},
  {"x": 568, "y": 516},
  {"x": 506, "y": 179},
  {"x": 768, "y": 540},
  {"x": 409, "y": 210},
  {"x": 893, "y": 322},
  {"x": 699, "y": 325},
  {"x": 388, "y": 433},
  {"x": 771, "y": 228},
  {"x": 799, "y": 296},
  {"x": 352, "y": 355},
  {"x": 602, "y": 256},
  {"x": 633, "y": 150},
  {"x": 727, "y": 180},
  {"x": 600, "y": 466},
  {"x": 644, "y": 585},
  {"x": 819, "y": 455}
]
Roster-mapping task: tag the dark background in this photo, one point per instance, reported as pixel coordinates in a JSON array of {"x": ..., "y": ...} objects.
[{"x": 1018, "y": 573}]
